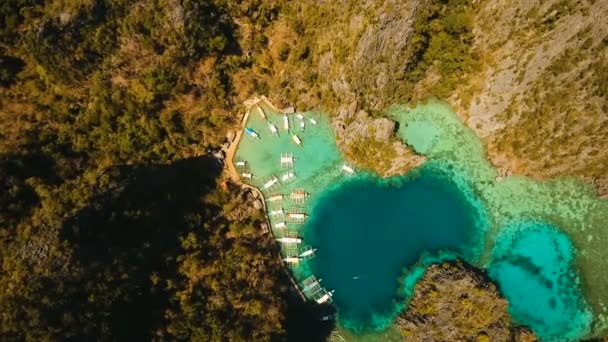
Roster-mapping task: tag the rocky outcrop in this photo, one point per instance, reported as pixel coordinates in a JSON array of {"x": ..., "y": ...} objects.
[
  {"x": 455, "y": 302},
  {"x": 370, "y": 142}
]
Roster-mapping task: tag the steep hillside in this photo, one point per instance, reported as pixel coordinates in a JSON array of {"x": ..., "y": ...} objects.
[
  {"x": 527, "y": 76},
  {"x": 540, "y": 101}
]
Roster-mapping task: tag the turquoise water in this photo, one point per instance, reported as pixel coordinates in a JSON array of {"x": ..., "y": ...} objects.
[
  {"x": 543, "y": 242},
  {"x": 531, "y": 263},
  {"x": 372, "y": 229}
]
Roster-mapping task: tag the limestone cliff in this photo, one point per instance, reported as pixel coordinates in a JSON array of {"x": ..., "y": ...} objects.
[
  {"x": 528, "y": 76},
  {"x": 454, "y": 302}
]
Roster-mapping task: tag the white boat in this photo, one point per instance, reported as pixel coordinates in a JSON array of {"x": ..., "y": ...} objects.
[
  {"x": 302, "y": 125},
  {"x": 275, "y": 198},
  {"x": 288, "y": 159},
  {"x": 252, "y": 133},
  {"x": 308, "y": 252},
  {"x": 324, "y": 298},
  {"x": 247, "y": 175},
  {"x": 289, "y": 240},
  {"x": 296, "y": 139},
  {"x": 348, "y": 169},
  {"x": 313, "y": 121},
  {"x": 292, "y": 260},
  {"x": 300, "y": 116},
  {"x": 288, "y": 176},
  {"x": 261, "y": 112},
  {"x": 285, "y": 122},
  {"x": 280, "y": 225},
  {"x": 298, "y": 216},
  {"x": 240, "y": 163},
  {"x": 298, "y": 195},
  {"x": 273, "y": 129},
  {"x": 270, "y": 183},
  {"x": 276, "y": 212}
]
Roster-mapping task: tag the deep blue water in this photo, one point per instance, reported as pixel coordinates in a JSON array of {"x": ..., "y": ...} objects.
[{"x": 373, "y": 229}]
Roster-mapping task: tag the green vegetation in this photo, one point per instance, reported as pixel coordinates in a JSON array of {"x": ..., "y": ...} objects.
[
  {"x": 545, "y": 133},
  {"x": 113, "y": 225},
  {"x": 442, "y": 44},
  {"x": 453, "y": 302}
]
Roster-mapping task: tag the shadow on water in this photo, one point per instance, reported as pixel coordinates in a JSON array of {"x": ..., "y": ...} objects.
[{"x": 304, "y": 321}]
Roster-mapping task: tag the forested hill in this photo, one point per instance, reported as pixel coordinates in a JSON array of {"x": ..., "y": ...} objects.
[
  {"x": 115, "y": 222},
  {"x": 112, "y": 223}
]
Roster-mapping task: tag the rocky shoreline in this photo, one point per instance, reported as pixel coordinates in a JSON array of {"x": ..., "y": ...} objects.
[{"x": 455, "y": 302}]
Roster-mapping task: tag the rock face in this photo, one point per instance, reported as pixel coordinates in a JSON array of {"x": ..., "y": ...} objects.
[
  {"x": 538, "y": 100},
  {"x": 370, "y": 143},
  {"x": 454, "y": 302}
]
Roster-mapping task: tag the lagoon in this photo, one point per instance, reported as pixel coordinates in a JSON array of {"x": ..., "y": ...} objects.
[
  {"x": 387, "y": 231},
  {"x": 367, "y": 230}
]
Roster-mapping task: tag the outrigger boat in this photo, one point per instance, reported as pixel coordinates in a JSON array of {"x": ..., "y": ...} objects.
[
  {"x": 297, "y": 216},
  {"x": 247, "y": 175},
  {"x": 277, "y": 212},
  {"x": 288, "y": 176},
  {"x": 289, "y": 240},
  {"x": 275, "y": 198},
  {"x": 240, "y": 163},
  {"x": 252, "y": 133},
  {"x": 285, "y": 122},
  {"x": 292, "y": 260},
  {"x": 348, "y": 169},
  {"x": 270, "y": 183},
  {"x": 308, "y": 253},
  {"x": 296, "y": 139},
  {"x": 313, "y": 121},
  {"x": 273, "y": 129},
  {"x": 325, "y": 297}
]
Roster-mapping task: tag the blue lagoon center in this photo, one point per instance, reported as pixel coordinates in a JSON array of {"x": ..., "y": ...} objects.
[{"x": 368, "y": 230}]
